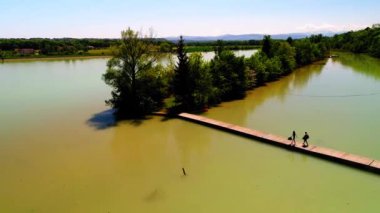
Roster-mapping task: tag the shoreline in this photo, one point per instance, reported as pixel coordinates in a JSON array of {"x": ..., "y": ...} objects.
[
  {"x": 52, "y": 58},
  {"x": 68, "y": 57}
]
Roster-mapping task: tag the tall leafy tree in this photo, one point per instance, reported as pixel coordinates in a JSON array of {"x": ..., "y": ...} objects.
[
  {"x": 2, "y": 55},
  {"x": 290, "y": 40},
  {"x": 219, "y": 48},
  {"x": 201, "y": 77},
  {"x": 286, "y": 54},
  {"x": 134, "y": 76},
  {"x": 229, "y": 75},
  {"x": 304, "y": 52},
  {"x": 267, "y": 47},
  {"x": 375, "y": 47},
  {"x": 256, "y": 63}
]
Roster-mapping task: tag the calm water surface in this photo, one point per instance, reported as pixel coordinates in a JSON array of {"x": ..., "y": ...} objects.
[
  {"x": 61, "y": 151},
  {"x": 207, "y": 56}
]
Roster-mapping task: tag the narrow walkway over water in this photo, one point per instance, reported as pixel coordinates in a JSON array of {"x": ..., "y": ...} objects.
[{"x": 322, "y": 152}]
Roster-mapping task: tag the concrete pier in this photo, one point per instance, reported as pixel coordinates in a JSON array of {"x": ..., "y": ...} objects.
[{"x": 321, "y": 152}]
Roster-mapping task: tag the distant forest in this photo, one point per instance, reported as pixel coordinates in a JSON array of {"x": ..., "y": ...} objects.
[
  {"x": 56, "y": 46},
  {"x": 362, "y": 41},
  {"x": 21, "y": 47}
]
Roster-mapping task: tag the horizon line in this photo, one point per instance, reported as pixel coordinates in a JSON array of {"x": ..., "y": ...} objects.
[{"x": 173, "y": 36}]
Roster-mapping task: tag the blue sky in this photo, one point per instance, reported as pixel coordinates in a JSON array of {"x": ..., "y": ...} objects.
[{"x": 106, "y": 18}]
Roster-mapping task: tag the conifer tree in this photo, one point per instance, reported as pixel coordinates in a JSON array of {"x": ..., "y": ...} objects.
[{"x": 182, "y": 86}]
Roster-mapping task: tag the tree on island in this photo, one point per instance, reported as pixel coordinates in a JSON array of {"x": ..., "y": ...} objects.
[
  {"x": 140, "y": 83},
  {"x": 229, "y": 76},
  {"x": 267, "y": 47},
  {"x": 181, "y": 84},
  {"x": 192, "y": 82},
  {"x": 135, "y": 77},
  {"x": 290, "y": 40}
]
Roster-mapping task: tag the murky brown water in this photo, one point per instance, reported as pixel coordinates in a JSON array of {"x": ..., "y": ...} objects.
[{"x": 61, "y": 151}]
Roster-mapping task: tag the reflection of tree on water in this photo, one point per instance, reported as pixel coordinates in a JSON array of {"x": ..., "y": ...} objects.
[
  {"x": 302, "y": 76},
  {"x": 150, "y": 157},
  {"x": 281, "y": 89},
  {"x": 360, "y": 63}
]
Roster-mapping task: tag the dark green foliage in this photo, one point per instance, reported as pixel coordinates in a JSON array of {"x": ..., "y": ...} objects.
[
  {"x": 225, "y": 43},
  {"x": 375, "y": 47},
  {"x": 190, "y": 49},
  {"x": 267, "y": 47},
  {"x": 257, "y": 66},
  {"x": 219, "y": 47},
  {"x": 192, "y": 82},
  {"x": 203, "y": 92},
  {"x": 273, "y": 68},
  {"x": 304, "y": 52},
  {"x": 72, "y": 46},
  {"x": 138, "y": 86},
  {"x": 265, "y": 69},
  {"x": 362, "y": 41},
  {"x": 182, "y": 85},
  {"x": 229, "y": 75},
  {"x": 279, "y": 58},
  {"x": 62, "y": 46},
  {"x": 197, "y": 84},
  {"x": 69, "y": 46},
  {"x": 316, "y": 38},
  {"x": 286, "y": 54},
  {"x": 308, "y": 51},
  {"x": 289, "y": 40}
]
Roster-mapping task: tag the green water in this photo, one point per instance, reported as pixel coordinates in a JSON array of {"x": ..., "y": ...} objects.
[{"x": 61, "y": 151}]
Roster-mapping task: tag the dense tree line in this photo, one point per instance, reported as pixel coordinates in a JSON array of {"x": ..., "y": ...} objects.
[
  {"x": 193, "y": 84},
  {"x": 228, "y": 77},
  {"x": 279, "y": 58},
  {"x": 56, "y": 46},
  {"x": 226, "y": 43},
  {"x": 207, "y": 46},
  {"x": 73, "y": 46},
  {"x": 362, "y": 41}
]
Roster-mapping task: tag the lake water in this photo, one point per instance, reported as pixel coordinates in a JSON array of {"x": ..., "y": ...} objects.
[
  {"x": 207, "y": 56},
  {"x": 61, "y": 151}
]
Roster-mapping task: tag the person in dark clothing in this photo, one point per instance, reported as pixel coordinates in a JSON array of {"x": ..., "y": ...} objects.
[
  {"x": 294, "y": 135},
  {"x": 305, "y": 138}
]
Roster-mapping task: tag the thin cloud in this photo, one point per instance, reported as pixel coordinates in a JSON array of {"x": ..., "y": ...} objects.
[{"x": 330, "y": 27}]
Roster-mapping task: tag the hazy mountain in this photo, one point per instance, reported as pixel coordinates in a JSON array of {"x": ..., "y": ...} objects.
[{"x": 244, "y": 37}]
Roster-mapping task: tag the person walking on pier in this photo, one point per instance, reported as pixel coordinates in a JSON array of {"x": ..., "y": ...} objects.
[
  {"x": 305, "y": 138},
  {"x": 294, "y": 135}
]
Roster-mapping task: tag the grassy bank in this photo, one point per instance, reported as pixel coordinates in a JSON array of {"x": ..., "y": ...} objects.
[{"x": 98, "y": 52}]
